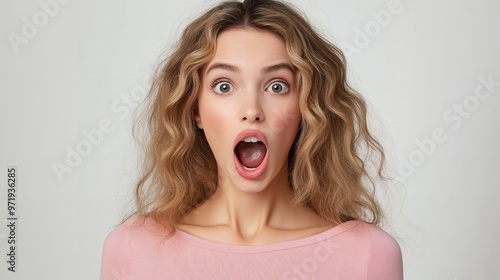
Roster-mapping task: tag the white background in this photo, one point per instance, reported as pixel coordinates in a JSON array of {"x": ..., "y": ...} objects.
[{"x": 78, "y": 66}]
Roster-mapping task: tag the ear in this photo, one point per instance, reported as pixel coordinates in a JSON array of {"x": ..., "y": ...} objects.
[{"x": 197, "y": 118}]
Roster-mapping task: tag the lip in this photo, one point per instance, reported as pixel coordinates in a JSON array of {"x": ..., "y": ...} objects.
[{"x": 259, "y": 170}]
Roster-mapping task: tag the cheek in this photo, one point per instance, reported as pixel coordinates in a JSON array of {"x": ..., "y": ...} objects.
[
  {"x": 216, "y": 127},
  {"x": 208, "y": 113},
  {"x": 285, "y": 118},
  {"x": 213, "y": 121},
  {"x": 284, "y": 123}
]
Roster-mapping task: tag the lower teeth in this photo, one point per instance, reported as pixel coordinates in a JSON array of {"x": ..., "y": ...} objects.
[{"x": 249, "y": 168}]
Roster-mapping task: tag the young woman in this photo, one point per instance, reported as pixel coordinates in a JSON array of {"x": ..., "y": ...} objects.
[{"x": 253, "y": 168}]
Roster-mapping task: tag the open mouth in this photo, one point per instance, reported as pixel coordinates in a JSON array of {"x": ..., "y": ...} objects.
[{"x": 250, "y": 154}]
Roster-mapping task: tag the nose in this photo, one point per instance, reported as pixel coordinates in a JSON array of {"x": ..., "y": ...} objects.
[{"x": 251, "y": 109}]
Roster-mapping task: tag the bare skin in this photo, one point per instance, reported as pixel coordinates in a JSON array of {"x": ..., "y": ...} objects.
[
  {"x": 250, "y": 85},
  {"x": 234, "y": 217}
]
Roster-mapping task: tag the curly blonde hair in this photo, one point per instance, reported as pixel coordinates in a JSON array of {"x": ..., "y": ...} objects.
[{"x": 327, "y": 171}]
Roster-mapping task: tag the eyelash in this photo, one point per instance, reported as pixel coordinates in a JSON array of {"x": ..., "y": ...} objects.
[
  {"x": 281, "y": 80},
  {"x": 219, "y": 80}
]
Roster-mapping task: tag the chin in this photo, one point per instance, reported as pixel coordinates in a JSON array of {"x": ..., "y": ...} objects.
[
  {"x": 250, "y": 186},
  {"x": 261, "y": 184}
]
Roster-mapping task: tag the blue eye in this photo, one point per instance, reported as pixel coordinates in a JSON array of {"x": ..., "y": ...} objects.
[
  {"x": 223, "y": 87},
  {"x": 278, "y": 87}
]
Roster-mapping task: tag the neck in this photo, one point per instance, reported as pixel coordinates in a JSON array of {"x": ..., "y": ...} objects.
[
  {"x": 233, "y": 215},
  {"x": 248, "y": 213}
]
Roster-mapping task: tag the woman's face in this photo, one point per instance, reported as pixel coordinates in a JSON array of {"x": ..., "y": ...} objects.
[{"x": 248, "y": 108}]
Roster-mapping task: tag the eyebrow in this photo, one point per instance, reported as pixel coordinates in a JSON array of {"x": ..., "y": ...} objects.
[
  {"x": 277, "y": 67},
  {"x": 224, "y": 66},
  {"x": 236, "y": 69}
]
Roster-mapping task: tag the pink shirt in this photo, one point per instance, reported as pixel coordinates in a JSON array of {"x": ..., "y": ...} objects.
[{"x": 352, "y": 250}]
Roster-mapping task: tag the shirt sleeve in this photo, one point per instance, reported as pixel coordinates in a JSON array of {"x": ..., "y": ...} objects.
[
  {"x": 386, "y": 262},
  {"x": 115, "y": 263}
]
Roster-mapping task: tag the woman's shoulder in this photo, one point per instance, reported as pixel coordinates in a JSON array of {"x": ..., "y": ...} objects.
[
  {"x": 120, "y": 233},
  {"x": 377, "y": 235},
  {"x": 382, "y": 250},
  {"x": 134, "y": 233},
  {"x": 378, "y": 239},
  {"x": 131, "y": 243}
]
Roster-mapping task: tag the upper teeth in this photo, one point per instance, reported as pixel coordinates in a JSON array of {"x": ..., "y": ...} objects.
[{"x": 251, "y": 139}]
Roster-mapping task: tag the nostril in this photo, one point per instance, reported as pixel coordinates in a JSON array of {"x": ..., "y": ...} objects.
[{"x": 251, "y": 117}]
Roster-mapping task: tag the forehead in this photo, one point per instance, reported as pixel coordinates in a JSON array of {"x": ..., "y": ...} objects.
[{"x": 245, "y": 43}]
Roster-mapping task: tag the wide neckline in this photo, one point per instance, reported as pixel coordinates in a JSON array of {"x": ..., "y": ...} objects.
[{"x": 262, "y": 248}]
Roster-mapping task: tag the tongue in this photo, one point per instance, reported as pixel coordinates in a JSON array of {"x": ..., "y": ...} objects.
[{"x": 252, "y": 154}]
